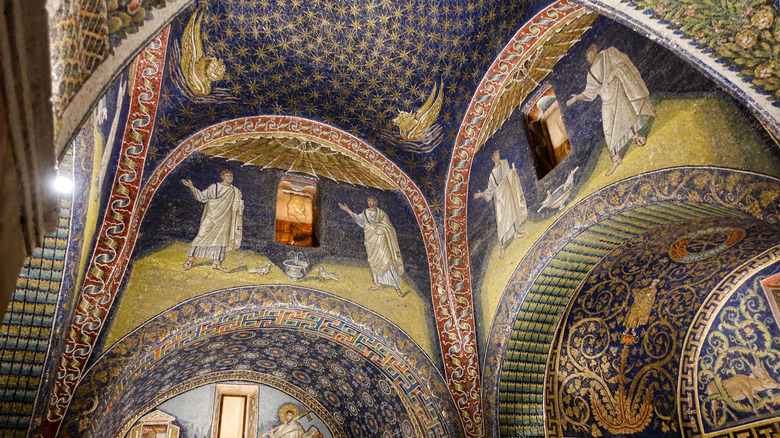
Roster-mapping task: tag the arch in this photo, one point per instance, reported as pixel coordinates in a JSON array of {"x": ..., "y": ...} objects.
[
  {"x": 470, "y": 138},
  {"x": 477, "y": 127},
  {"x": 254, "y": 312},
  {"x": 682, "y": 192},
  {"x": 130, "y": 199}
]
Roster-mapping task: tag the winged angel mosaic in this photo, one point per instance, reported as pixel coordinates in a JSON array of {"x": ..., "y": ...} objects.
[
  {"x": 418, "y": 131},
  {"x": 193, "y": 72}
]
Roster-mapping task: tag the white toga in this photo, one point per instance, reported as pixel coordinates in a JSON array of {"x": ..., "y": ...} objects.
[
  {"x": 220, "y": 225},
  {"x": 384, "y": 254},
  {"x": 505, "y": 190},
  {"x": 294, "y": 429},
  {"x": 625, "y": 101}
]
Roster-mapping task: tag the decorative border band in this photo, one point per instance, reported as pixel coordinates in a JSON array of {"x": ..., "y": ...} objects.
[
  {"x": 462, "y": 348},
  {"x": 111, "y": 253}
]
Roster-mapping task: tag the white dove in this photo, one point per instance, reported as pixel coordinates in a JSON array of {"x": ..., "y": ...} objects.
[
  {"x": 261, "y": 270},
  {"x": 325, "y": 275}
]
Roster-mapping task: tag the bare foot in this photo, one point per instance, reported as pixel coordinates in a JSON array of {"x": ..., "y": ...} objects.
[
  {"x": 399, "y": 292},
  {"x": 218, "y": 267},
  {"x": 615, "y": 164},
  {"x": 374, "y": 287},
  {"x": 639, "y": 140},
  {"x": 501, "y": 254},
  {"x": 187, "y": 265},
  {"x": 519, "y": 234}
]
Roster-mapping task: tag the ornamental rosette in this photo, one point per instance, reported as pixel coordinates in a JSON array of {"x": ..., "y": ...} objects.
[
  {"x": 764, "y": 70},
  {"x": 746, "y": 38},
  {"x": 763, "y": 19}
]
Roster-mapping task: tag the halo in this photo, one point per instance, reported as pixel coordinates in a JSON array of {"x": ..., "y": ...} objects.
[{"x": 285, "y": 408}]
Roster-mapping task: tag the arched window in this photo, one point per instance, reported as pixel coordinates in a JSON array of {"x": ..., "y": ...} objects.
[
  {"x": 296, "y": 211},
  {"x": 546, "y": 133}
]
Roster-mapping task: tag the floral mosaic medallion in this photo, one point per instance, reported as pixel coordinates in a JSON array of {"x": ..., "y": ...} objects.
[{"x": 614, "y": 367}]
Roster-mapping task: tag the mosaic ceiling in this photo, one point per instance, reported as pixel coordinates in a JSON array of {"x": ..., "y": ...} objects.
[
  {"x": 350, "y": 65},
  {"x": 393, "y": 100}
]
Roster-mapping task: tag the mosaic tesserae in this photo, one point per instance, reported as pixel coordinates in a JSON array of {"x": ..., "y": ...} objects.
[{"x": 468, "y": 218}]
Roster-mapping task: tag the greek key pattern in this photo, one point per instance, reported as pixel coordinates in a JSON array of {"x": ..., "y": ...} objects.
[
  {"x": 462, "y": 348},
  {"x": 761, "y": 431},
  {"x": 711, "y": 188},
  {"x": 689, "y": 401},
  {"x": 533, "y": 333},
  {"x": 113, "y": 250},
  {"x": 392, "y": 352},
  {"x": 295, "y": 126}
]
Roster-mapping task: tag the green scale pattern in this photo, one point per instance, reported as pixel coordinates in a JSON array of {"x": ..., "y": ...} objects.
[
  {"x": 27, "y": 325},
  {"x": 521, "y": 391}
]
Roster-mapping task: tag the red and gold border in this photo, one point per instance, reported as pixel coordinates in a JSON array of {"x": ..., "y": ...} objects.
[
  {"x": 459, "y": 341},
  {"x": 114, "y": 244}
]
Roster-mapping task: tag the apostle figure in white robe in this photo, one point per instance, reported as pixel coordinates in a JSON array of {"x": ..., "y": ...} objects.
[
  {"x": 220, "y": 226},
  {"x": 625, "y": 101},
  {"x": 506, "y": 193},
  {"x": 384, "y": 254},
  {"x": 291, "y": 428}
]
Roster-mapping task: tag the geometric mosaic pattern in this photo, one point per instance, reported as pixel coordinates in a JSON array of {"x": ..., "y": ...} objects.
[
  {"x": 521, "y": 389},
  {"x": 615, "y": 361},
  {"x": 331, "y": 379},
  {"x": 27, "y": 325},
  {"x": 546, "y": 25},
  {"x": 79, "y": 44},
  {"x": 241, "y": 328}
]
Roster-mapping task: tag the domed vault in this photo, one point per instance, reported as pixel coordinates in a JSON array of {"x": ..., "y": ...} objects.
[{"x": 406, "y": 218}]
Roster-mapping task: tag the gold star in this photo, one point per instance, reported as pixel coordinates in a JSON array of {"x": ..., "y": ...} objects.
[
  {"x": 185, "y": 111},
  {"x": 242, "y": 51},
  {"x": 436, "y": 206},
  {"x": 221, "y": 44},
  {"x": 167, "y": 97},
  {"x": 171, "y": 137},
  {"x": 166, "y": 122},
  {"x": 216, "y": 20}
]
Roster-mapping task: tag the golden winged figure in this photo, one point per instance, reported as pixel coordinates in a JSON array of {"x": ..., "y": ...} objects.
[
  {"x": 199, "y": 71},
  {"x": 413, "y": 126}
]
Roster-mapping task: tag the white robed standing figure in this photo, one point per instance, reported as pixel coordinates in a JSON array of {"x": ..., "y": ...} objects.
[
  {"x": 220, "y": 226},
  {"x": 625, "y": 100},
  {"x": 384, "y": 254},
  {"x": 290, "y": 427},
  {"x": 506, "y": 193}
]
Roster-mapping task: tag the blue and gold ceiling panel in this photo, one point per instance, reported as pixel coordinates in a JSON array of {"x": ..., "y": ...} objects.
[
  {"x": 614, "y": 365},
  {"x": 301, "y": 341},
  {"x": 525, "y": 363}
]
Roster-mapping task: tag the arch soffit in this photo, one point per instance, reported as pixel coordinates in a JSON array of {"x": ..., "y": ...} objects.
[
  {"x": 710, "y": 191},
  {"x": 374, "y": 338}
]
